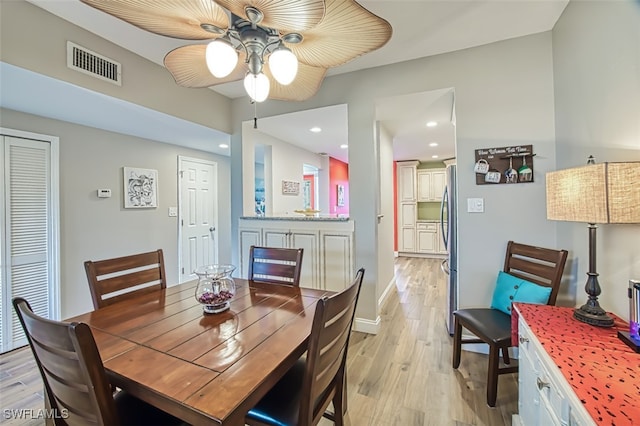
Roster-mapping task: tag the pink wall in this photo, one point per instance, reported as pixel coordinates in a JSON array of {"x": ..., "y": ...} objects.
[
  {"x": 312, "y": 186},
  {"x": 338, "y": 175}
]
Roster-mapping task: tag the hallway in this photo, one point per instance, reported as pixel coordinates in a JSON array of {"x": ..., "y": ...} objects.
[{"x": 403, "y": 376}]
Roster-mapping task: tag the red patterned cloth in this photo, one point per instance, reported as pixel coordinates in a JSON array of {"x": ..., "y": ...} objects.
[{"x": 602, "y": 370}]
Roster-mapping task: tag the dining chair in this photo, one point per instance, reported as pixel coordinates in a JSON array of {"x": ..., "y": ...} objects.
[
  {"x": 275, "y": 265},
  {"x": 303, "y": 394},
  {"x": 112, "y": 280},
  {"x": 541, "y": 269},
  {"x": 76, "y": 386}
]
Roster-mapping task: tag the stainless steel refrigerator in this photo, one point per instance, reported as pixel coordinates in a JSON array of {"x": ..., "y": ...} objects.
[{"x": 448, "y": 227}]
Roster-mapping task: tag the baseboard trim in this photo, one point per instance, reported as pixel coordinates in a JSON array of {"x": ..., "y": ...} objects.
[
  {"x": 386, "y": 292},
  {"x": 366, "y": 325},
  {"x": 422, "y": 255}
]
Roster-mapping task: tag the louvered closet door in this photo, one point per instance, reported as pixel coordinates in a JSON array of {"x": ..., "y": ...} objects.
[{"x": 27, "y": 233}]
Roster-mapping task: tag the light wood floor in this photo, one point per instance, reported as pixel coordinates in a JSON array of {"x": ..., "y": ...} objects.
[{"x": 402, "y": 376}]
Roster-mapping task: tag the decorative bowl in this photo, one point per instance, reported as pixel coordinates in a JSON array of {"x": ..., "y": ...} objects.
[
  {"x": 215, "y": 288},
  {"x": 307, "y": 212}
]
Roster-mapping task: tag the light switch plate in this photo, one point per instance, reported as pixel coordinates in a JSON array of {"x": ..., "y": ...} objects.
[
  {"x": 173, "y": 211},
  {"x": 475, "y": 205}
]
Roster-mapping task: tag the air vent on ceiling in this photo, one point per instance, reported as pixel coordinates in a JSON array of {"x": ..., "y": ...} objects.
[{"x": 84, "y": 60}]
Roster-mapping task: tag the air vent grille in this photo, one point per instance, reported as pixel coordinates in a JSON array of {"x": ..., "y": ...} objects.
[{"x": 94, "y": 64}]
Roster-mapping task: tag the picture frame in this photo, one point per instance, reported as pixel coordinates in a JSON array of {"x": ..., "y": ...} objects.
[
  {"x": 140, "y": 188},
  {"x": 340, "y": 197},
  {"x": 290, "y": 187}
]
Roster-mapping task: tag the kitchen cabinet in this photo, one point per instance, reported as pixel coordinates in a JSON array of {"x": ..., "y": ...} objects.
[
  {"x": 336, "y": 259},
  {"x": 247, "y": 236},
  {"x": 407, "y": 186},
  {"x": 418, "y": 185},
  {"x": 407, "y": 205},
  {"x": 308, "y": 240},
  {"x": 427, "y": 234},
  {"x": 328, "y": 258},
  {"x": 431, "y": 183},
  {"x": 545, "y": 397},
  {"x": 429, "y": 238},
  {"x": 407, "y": 227}
]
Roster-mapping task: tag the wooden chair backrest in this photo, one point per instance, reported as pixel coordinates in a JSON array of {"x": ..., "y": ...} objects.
[
  {"x": 536, "y": 264},
  {"x": 327, "y": 350},
  {"x": 275, "y": 265},
  {"x": 74, "y": 378},
  {"x": 112, "y": 280}
]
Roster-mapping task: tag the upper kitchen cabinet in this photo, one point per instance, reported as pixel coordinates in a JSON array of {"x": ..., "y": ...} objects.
[
  {"x": 431, "y": 183},
  {"x": 407, "y": 181}
]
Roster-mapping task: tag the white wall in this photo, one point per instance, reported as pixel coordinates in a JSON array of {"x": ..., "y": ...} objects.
[
  {"x": 387, "y": 212},
  {"x": 42, "y": 49},
  {"x": 596, "y": 54},
  {"x": 94, "y": 228},
  {"x": 283, "y": 161},
  {"x": 504, "y": 96}
]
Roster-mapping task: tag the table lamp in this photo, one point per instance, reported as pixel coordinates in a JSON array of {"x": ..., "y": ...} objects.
[{"x": 595, "y": 193}]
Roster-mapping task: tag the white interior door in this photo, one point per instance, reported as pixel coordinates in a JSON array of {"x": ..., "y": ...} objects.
[
  {"x": 198, "y": 215},
  {"x": 29, "y": 249}
]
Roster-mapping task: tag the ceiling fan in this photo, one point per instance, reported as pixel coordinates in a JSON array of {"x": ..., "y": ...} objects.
[{"x": 281, "y": 48}]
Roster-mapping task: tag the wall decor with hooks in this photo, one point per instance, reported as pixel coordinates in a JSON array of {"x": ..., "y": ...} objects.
[{"x": 508, "y": 164}]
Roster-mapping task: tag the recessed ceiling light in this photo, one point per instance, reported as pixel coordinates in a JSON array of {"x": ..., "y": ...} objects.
[
  {"x": 432, "y": 124},
  {"x": 434, "y": 156},
  {"x": 315, "y": 129},
  {"x": 344, "y": 146},
  {"x": 223, "y": 145},
  {"x": 433, "y": 144}
]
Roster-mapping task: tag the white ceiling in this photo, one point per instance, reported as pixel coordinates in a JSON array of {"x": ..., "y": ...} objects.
[{"x": 420, "y": 28}]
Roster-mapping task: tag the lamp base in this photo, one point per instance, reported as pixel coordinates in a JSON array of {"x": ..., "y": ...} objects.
[
  {"x": 632, "y": 342},
  {"x": 593, "y": 316}
]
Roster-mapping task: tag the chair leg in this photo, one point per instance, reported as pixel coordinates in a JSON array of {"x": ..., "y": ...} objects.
[
  {"x": 457, "y": 343},
  {"x": 505, "y": 356},
  {"x": 492, "y": 375},
  {"x": 339, "y": 403}
]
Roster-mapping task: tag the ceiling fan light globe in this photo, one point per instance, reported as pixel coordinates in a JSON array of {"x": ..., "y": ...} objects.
[
  {"x": 257, "y": 86},
  {"x": 283, "y": 65},
  {"x": 221, "y": 58}
]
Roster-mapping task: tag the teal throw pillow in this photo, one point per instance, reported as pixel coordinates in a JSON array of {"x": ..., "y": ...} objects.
[{"x": 513, "y": 289}]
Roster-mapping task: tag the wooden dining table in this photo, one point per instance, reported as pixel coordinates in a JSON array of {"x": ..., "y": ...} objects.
[{"x": 204, "y": 368}]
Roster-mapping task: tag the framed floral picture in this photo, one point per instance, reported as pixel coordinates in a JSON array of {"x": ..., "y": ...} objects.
[{"x": 140, "y": 188}]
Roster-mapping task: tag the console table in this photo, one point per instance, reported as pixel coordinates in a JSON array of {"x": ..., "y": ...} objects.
[{"x": 572, "y": 373}]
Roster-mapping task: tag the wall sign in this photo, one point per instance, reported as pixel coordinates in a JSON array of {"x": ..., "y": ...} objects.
[
  {"x": 290, "y": 187},
  {"x": 509, "y": 164}
]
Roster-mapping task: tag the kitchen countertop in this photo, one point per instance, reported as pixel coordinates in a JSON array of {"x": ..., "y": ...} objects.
[{"x": 299, "y": 218}]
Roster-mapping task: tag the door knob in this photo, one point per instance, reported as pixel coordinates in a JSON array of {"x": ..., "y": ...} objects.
[{"x": 212, "y": 229}]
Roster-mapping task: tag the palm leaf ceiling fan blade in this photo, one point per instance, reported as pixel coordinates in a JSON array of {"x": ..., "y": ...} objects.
[
  {"x": 306, "y": 84},
  {"x": 333, "y": 33},
  {"x": 347, "y": 31},
  {"x": 188, "y": 67},
  {"x": 172, "y": 18},
  {"x": 285, "y": 15}
]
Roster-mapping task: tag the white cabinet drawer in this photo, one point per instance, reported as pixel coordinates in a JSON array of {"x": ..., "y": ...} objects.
[
  {"x": 425, "y": 226},
  {"x": 551, "y": 397}
]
